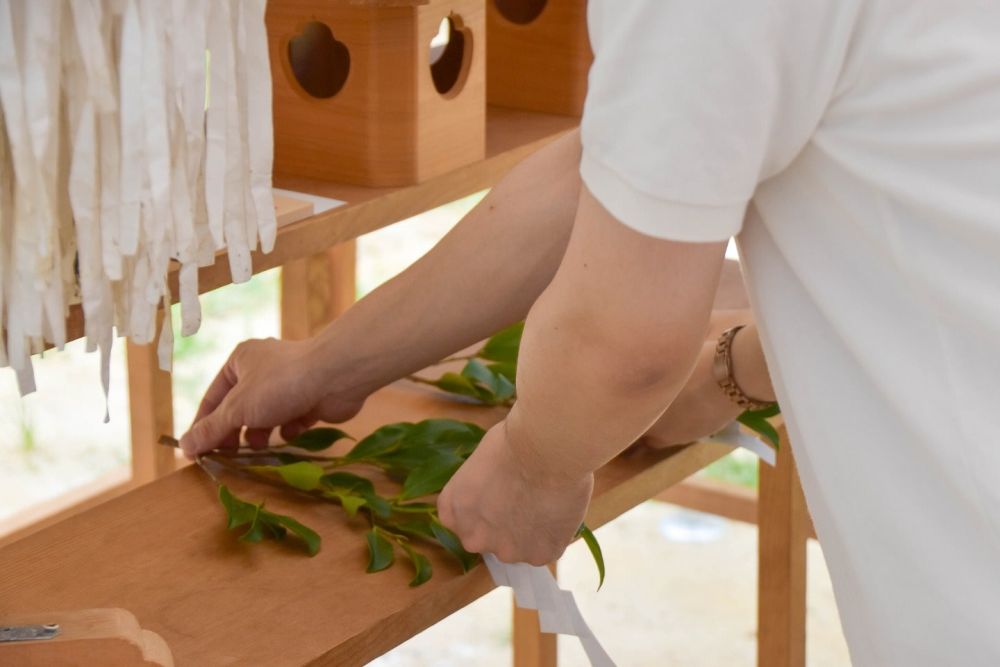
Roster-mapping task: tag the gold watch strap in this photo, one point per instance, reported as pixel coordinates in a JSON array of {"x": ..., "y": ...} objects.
[{"x": 722, "y": 368}]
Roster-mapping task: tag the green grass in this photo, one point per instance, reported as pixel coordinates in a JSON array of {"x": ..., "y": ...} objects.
[{"x": 736, "y": 468}]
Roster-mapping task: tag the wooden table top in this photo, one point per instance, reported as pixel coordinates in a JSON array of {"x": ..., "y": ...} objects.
[{"x": 162, "y": 552}]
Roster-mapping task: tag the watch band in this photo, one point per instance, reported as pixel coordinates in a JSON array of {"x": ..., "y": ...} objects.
[{"x": 722, "y": 368}]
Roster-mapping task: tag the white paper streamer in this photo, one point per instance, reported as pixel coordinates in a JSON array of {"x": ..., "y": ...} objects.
[
  {"x": 112, "y": 167},
  {"x": 734, "y": 436},
  {"x": 535, "y": 588}
]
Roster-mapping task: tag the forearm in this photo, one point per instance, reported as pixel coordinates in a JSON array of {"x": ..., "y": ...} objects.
[
  {"x": 603, "y": 354},
  {"x": 482, "y": 276}
]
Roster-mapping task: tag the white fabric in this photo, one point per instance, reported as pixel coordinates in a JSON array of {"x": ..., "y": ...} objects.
[{"x": 865, "y": 137}]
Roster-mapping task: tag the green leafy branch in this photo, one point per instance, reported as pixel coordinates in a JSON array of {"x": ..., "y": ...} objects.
[
  {"x": 757, "y": 421},
  {"x": 489, "y": 374},
  {"x": 420, "y": 457}
]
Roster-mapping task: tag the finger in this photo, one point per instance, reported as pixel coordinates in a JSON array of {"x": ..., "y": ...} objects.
[
  {"x": 540, "y": 557},
  {"x": 446, "y": 513},
  {"x": 296, "y": 427},
  {"x": 258, "y": 438},
  {"x": 213, "y": 430},
  {"x": 479, "y": 542},
  {"x": 224, "y": 381}
]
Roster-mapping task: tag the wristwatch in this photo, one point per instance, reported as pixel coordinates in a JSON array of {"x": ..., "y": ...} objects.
[{"x": 722, "y": 368}]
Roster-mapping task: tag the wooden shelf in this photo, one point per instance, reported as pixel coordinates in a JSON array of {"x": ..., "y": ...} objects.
[
  {"x": 511, "y": 135},
  {"x": 162, "y": 552}
]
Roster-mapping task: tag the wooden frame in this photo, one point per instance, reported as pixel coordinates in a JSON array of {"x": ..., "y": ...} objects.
[
  {"x": 382, "y": 121},
  {"x": 538, "y": 63},
  {"x": 511, "y": 135}
]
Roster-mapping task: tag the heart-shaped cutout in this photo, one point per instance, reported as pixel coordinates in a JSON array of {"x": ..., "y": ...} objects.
[
  {"x": 318, "y": 61},
  {"x": 450, "y": 55},
  {"x": 520, "y": 11}
]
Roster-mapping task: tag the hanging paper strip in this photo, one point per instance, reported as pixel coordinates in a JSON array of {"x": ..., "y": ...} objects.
[{"x": 134, "y": 135}]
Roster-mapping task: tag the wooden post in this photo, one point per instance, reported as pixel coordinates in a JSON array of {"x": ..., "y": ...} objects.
[
  {"x": 317, "y": 289},
  {"x": 783, "y": 525},
  {"x": 532, "y": 647},
  {"x": 151, "y": 412}
]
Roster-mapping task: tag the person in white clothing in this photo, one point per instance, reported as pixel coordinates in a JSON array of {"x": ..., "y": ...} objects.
[{"x": 852, "y": 147}]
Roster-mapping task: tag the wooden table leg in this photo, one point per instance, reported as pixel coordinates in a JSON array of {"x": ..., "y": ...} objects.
[
  {"x": 151, "y": 412},
  {"x": 783, "y": 525},
  {"x": 532, "y": 647},
  {"x": 317, "y": 289}
]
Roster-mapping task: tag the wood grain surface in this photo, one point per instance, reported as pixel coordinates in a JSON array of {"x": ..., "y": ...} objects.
[{"x": 162, "y": 552}]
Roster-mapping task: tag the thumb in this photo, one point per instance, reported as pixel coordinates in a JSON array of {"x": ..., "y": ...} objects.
[{"x": 211, "y": 430}]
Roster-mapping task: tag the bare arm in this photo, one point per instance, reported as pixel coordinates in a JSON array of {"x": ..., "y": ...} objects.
[
  {"x": 482, "y": 276},
  {"x": 606, "y": 348}
]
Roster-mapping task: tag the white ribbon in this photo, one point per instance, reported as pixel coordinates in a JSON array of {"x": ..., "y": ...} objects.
[
  {"x": 734, "y": 436},
  {"x": 110, "y": 166},
  {"x": 535, "y": 588}
]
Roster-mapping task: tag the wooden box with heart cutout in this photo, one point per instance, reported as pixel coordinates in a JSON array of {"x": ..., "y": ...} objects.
[
  {"x": 537, "y": 55},
  {"x": 377, "y": 92}
]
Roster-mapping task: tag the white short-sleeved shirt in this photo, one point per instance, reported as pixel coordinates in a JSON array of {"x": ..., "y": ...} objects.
[{"x": 853, "y": 149}]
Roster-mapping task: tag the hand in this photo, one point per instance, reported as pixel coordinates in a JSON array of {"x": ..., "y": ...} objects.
[
  {"x": 502, "y": 503},
  {"x": 266, "y": 384}
]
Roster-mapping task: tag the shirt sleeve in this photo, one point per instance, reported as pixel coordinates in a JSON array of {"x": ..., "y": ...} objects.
[{"x": 692, "y": 103}]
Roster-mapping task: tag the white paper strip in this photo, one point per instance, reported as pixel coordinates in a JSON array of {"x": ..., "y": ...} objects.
[
  {"x": 734, "y": 436},
  {"x": 535, "y": 588},
  {"x": 113, "y": 167}
]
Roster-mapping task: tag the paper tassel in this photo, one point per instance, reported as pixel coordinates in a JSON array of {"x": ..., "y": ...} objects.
[{"x": 133, "y": 134}]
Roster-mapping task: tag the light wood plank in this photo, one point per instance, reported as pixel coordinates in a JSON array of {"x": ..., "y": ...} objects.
[
  {"x": 162, "y": 552},
  {"x": 532, "y": 647},
  {"x": 151, "y": 411},
  {"x": 781, "y": 607},
  {"x": 318, "y": 289},
  {"x": 723, "y": 499},
  {"x": 107, "y": 486},
  {"x": 87, "y": 637}
]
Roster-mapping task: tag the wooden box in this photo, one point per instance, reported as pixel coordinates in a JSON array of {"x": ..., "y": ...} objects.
[
  {"x": 537, "y": 55},
  {"x": 361, "y": 96}
]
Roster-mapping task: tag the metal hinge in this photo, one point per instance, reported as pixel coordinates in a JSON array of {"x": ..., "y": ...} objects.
[{"x": 25, "y": 633}]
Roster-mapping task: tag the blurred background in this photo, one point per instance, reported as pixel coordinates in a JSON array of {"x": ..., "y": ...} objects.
[{"x": 681, "y": 585}]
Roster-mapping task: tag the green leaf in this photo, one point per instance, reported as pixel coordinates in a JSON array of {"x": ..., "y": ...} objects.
[
  {"x": 454, "y": 383},
  {"x": 505, "y": 389},
  {"x": 506, "y": 369},
  {"x": 347, "y": 482},
  {"x": 421, "y": 566},
  {"x": 595, "y": 550},
  {"x": 350, "y": 503},
  {"x": 379, "y": 442},
  {"x": 264, "y": 524},
  {"x": 379, "y": 505},
  {"x": 302, "y": 475},
  {"x": 418, "y": 526},
  {"x": 761, "y": 426},
  {"x": 431, "y": 476},
  {"x": 415, "y": 508},
  {"x": 504, "y": 345},
  {"x": 453, "y": 545},
  {"x": 481, "y": 376},
  {"x": 458, "y": 439},
  {"x": 380, "y": 554},
  {"x": 256, "y": 531},
  {"x": 772, "y": 410},
  {"x": 310, "y": 538},
  {"x": 239, "y": 512},
  {"x": 317, "y": 439}
]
